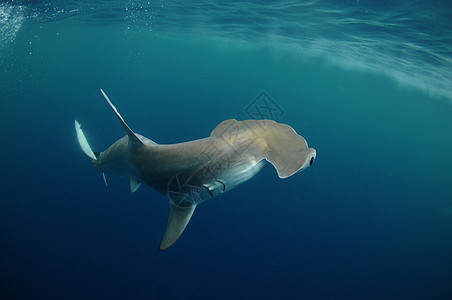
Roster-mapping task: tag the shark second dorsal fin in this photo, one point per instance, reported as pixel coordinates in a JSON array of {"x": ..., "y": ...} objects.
[
  {"x": 132, "y": 136},
  {"x": 134, "y": 184},
  {"x": 179, "y": 216}
]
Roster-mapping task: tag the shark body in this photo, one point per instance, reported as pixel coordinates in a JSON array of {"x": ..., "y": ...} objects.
[{"x": 191, "y": 172}]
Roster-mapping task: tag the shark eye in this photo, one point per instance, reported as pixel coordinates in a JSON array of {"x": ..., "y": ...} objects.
[{"x": 311, "y": 161}]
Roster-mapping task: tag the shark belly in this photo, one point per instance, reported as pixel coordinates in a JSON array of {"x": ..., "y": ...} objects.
[{"x": 190, "y": 175}]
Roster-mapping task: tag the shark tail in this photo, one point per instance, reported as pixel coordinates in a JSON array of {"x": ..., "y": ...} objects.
[{"x": 84, "y": 142}]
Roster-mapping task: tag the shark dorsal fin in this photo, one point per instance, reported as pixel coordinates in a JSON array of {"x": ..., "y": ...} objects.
[
  {"x": 132, "y": 136},
  {"x": 224, "y": 127},
  {"x": 179, "y": 216}
]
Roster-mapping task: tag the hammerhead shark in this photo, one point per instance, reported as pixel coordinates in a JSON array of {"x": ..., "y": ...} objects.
[{"x": 191, "y": 172}]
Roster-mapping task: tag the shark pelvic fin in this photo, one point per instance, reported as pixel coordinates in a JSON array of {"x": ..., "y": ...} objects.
[
  {"x": 105, "y": 179},
  {"x": 132, "y": 136},
  {"x": 179, "y": 216},
  {"x": 134, "y": 185},
  {"x": 83, "y": 142}
]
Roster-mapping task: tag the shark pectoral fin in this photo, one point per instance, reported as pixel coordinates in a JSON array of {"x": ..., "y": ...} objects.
[
  {"x": 134, "y": 184},
  {"x": 83, "y": 142},
  {"x": 179, "y": 216}
]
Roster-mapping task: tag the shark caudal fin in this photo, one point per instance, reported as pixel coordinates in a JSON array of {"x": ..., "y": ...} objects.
[
  {"x": 84, "y": 142},
  {"x": 134, "y": 139}
]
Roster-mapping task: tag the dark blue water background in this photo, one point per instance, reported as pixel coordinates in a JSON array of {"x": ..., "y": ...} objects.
[{"x": 368, "y": 85}]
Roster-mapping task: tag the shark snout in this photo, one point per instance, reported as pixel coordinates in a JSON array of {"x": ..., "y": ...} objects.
[
  {"x": 309, "y": 160},
  {"x": 312, "y": 157}
]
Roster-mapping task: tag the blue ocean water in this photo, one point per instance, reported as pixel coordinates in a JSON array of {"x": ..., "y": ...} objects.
[{"x": 367, "y": 83}]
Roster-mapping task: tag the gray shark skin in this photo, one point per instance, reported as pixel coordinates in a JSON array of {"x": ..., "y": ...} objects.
[{"x": 191, "y": 172}]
